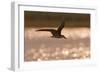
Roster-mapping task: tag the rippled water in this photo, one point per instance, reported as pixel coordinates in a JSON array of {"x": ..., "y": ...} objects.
[{"x": 40, "y": 46}]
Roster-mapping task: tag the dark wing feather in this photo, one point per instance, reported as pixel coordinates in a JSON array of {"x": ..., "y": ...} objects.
[
  {"x": 61, "y": 27},
  {"x": 49, "y": 30},
  {"x": 45, "y": 30}
]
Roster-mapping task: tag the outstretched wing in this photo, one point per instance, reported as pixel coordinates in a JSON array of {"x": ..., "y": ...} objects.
[
  {"x": 45, "y": 30},
  {"x": 61, "y": 26},
  {"x": 49, "y": 30}
]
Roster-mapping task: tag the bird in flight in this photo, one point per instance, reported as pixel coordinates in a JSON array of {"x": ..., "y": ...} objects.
[{"x": 56, "y": 33}]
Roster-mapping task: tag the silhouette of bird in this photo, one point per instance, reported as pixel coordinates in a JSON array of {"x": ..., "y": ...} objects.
[{"x": 56, "y": 33}]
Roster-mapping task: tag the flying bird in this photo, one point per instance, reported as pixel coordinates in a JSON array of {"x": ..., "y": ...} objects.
[{"x": 56, "y": 33}]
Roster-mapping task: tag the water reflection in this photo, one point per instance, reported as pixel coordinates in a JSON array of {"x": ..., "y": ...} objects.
[{"x": 39, "y": 47}]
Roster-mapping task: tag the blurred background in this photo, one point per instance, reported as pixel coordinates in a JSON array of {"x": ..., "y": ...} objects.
[
  {"x": 40, "y": 46},
  {"x": 53, "y": 19}
]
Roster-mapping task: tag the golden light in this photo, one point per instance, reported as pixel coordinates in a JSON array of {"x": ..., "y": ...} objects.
[
  {"x": 73, "y": 49},
  {"x": 39, "y": 59},
  {"x": 65, "y": 52}
]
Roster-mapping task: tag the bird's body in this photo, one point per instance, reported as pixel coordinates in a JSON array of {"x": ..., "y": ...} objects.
[{"x": 56, "y": 33}]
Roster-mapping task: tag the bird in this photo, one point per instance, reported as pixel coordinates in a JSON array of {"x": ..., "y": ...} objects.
[{"x": 56, "y": 33}]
